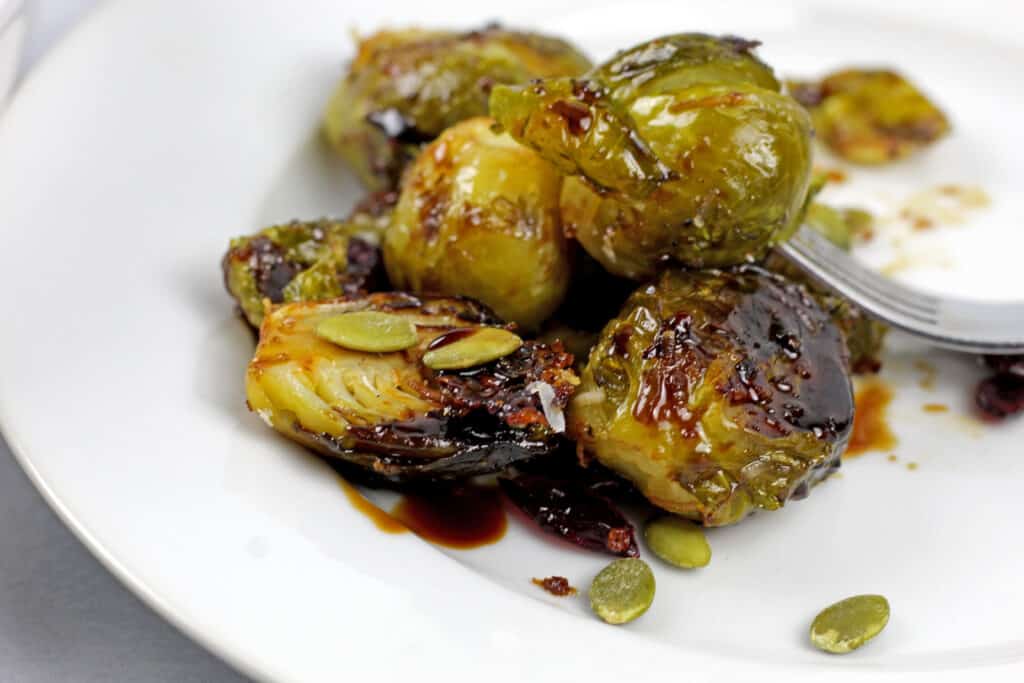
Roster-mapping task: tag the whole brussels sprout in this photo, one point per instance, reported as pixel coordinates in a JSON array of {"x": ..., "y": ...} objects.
[
  {"x": 682, "y": 149},
  {"x": 308, "y": 260},
  {"x": 389, "y": 414},
  {"x": 871, "y": 116},
  {"x": 717, "y": 393},
  {"x": 404, "y": 87},
  {"x": 478, "y": 216}
]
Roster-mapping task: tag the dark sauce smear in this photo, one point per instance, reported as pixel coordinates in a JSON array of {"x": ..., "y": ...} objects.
[
  {"x": 451, "y": 337},
  {"x": 1002, "y": 394},
  {"x": 460, "y": 517}
]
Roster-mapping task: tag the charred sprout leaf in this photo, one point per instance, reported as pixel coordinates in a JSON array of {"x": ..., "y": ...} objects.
[
  {"x": 308, "y": 261},
  {"x": 391, "y": 415},
  {"x": 404, "y": 87},
  {"x": 570, "y": 509},
  {"x": 478, "y": 216},
  {"x": 680, "y": 149},
  {"x": 871, "y": 116},
  {"x": 717, "y": 394}
]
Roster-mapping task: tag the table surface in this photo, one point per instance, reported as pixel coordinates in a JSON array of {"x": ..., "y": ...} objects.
[{"x": 62, "y": 616}]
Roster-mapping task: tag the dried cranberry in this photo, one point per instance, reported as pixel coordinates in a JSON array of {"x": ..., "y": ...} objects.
[
  {"x": 1001, "y": 395},
  {"x": 573, "y": 511}
]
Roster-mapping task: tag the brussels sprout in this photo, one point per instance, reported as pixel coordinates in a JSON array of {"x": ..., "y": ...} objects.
[
  {"x": 478, "y": 216},
  {"x": 871, "y": 116},
  {"x": 681, "y": 149},
  {"x": 863, "y": 334},
  {"x": 389, "y": 414},
  {"x": 307, "y": 261},
  {"x": 717, "y": 393},
  {"x": 404, "y": 87}
]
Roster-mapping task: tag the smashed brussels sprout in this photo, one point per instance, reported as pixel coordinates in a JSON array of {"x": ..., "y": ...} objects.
[
  {"x": 871, "y": 116},
  {"x": 680, "y": 149},
  {"x": 308, "y": 261},
  {"x": 391, "y": 415},
  {"x": 404, "y": 87},
  {"x": 717, "y": 393},
  {"x": 478, "y": 216}
]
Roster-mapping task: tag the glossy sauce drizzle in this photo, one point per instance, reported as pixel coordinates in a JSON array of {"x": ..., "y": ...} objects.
[
  {"x": 380, "y": 519},
  {"x": 871, "y": 430},
  {"x": 461, "y": 518}
]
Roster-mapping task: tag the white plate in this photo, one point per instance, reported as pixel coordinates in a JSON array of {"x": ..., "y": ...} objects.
[{"x": 159, "y": 130}]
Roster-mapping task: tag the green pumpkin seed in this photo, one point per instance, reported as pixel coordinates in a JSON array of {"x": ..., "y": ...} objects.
[
  {"x": 678, "y": 541},
  {"x": 848, "y": 624},
  {"x": 480, "y": 346},
  {"x": 368, "y": 331},
  {"x": 622, "y": 591}
]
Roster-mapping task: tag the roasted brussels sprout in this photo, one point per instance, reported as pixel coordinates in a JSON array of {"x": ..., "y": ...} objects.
[
  {"x": 717, "y": 393},
  {"x": 478, "y": 216},
  {"x": 307, "y": 261},
  {"x": 871, "y": 116},
  {"x": 863, "y": 334},
  {"x": 391, "y": 415},
  {"x": 404, "y": 87},
  {"x": 680, "y": 149}
]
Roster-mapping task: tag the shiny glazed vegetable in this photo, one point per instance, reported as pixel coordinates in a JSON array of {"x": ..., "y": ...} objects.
[
  {"x": 717, "y": 394},
  {"x": 680, "y": 149},
  {"x": 863, "y": 334},
  {"x": 871, "y": 116},
  {"x": 478, "y": 217},
  {"x": 404, "y": 87},
  {"x": 308, "y": 261},
  {"x": 390, "y": 414}
]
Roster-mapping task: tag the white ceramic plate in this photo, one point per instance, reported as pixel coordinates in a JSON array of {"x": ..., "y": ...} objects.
[{"x": 159, "y": 130}]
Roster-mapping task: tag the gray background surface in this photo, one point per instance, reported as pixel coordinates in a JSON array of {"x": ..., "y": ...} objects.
[{"x": 62, "y": 616}]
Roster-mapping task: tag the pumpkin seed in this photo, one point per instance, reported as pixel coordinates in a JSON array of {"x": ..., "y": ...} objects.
[
  {"x": 622, "y": 591},
  {"x": 678, "y": 541},
  {"x": 480, "y": 346},
  {"x": 848, "y": 624},
  {"x": 368, "y": 331}
]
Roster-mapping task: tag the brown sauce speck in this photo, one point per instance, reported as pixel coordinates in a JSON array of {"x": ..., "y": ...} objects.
[
  {"x": 556, "y": 585},
  {"x": 380, "y": 519},
  {"x": 450, "y": 337},
  {"x": 929, "y": 373},
  {"x": 935, "y": 408},
  {"x": 461, "y": 518},
  {"x": 871, "y": 430}
]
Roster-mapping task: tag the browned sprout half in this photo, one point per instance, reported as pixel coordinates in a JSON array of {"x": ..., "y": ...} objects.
[
  {"x": 478, "y": 216},
  {"x": 871, "y": 116},
  {"x": 404, "y": 87},
  {"x": 717, "y": 393},
  {"x": 308, "y": 260},
  {"x": 388, "y": 413}
]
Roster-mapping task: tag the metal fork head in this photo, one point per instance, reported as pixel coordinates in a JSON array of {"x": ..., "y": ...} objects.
[{"x": 952, "y": 323}]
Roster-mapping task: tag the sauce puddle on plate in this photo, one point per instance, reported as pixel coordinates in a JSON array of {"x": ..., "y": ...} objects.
[
  {"x": 871, "y": 430},
  {"x": 462, "y": 518}
]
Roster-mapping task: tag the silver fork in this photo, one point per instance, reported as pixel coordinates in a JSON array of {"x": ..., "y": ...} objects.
[{"x": 952, "y": 323}]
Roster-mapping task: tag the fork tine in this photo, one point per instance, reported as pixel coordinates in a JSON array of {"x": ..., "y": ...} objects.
[
  {"x": 838, "y": 260},
  {"x": 958, "y": 324},
  {"x": 829, "y": 269}
]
